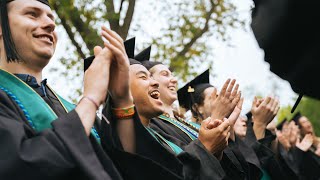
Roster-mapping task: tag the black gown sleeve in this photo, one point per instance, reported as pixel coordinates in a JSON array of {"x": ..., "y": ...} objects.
[
  {"x": 228, "y": 168},
  {"x": 269, "y": 161},
  {"x": 308, "y": 164},
  {"x": 62, "y": 152},
  {"x": 144, "y": 163},
  {"x": 186, "y": 165}
]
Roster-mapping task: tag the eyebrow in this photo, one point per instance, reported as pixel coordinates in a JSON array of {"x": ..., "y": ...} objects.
[
  {"x": 165, "y": 71},
  {"x": 142, "y": 72},
  {"x": 50, "y": 15}
]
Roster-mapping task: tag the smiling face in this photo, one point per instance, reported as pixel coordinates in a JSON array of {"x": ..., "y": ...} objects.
[
  {"x": 167, "y": 82},
  {"x": 305, "y": 126},
  {"x": 32, "y": 27},
  {"x": 145, "y": 92}
]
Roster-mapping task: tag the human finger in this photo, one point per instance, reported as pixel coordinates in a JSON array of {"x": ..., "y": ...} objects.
[{"x": 224, "y": 87}]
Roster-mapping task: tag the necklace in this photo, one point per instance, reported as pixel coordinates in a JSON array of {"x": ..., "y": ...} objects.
[{"x": 182, "y": 126}]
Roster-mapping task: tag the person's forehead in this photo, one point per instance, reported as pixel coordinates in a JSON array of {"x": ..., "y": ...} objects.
[
  {"x": 24, "y": 4},
  {"x": 208, "y": 91},
  {"x": 138, "y": 68},
  {"x": 160, "y": 67},
  {"x": 303, "y": 119}
]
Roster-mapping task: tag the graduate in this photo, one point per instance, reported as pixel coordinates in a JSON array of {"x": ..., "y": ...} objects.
[
  {"x": 42, "y": 135},
  {"x": 196, "y": 96},
  {"x": 305, "y": 152},
  {"x": 196, "y": 158},
  {"x": 175, "y": 128}
]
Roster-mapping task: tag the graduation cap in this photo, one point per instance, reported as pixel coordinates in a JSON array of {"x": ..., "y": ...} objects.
[
  {"x": 129, "y": 46},
  {"x": 144, "y": 58},
  {"x": 191, "y": 93},
  {"x": 144, "y": 55},
  {"x": 287, "y": 33},
  {"x": 9, "y": 46},
  {"x": 280, "y": 125},
  {"x": 296, "y": 117}
]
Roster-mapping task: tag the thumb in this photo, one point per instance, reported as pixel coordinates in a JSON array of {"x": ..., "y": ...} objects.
[
  {"x": 97, "y": 50},
  {"x": 213, "y": 124},
  {"x": 205, "y": 123},
  {"x": 254, "y": 102}
]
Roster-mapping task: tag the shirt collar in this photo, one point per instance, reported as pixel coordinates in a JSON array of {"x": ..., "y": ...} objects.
[{"x": 30, "y": 80}]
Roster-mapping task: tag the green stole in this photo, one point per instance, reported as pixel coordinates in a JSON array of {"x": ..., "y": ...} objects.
[
  {"x": 176, "y": 149},
  {"x": 38, "y": 113},
  {"x": 192, "y": 134}
]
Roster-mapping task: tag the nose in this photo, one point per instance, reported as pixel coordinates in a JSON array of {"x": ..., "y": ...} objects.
[
  {"x": 48, "y": 24},
  {"x": 174, "y": 79},
  {"x": 154, "y": 83}
]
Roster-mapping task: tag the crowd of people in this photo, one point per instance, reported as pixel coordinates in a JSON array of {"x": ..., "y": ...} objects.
[{"x": 140, "y": 134}]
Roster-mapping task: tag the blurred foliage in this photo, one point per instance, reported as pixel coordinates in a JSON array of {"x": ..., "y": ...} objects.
[
  {"x": 308, "y": 107},
  {"x": 182, "y": 42}
]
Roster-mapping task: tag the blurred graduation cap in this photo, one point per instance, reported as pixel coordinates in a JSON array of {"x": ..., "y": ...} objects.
[
  {"x": 9, "y": 46},
  {"x": 144, "y": 55},
  {"x": 288, "y": 34},
  {"x": 129, "y": 46},
  {"x": 280, "y": 125},
  {"x": 296, "y": 117},
  {"x": 192, "y": 91}
]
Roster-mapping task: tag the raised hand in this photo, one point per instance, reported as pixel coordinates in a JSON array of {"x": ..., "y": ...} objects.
[
  {"x": 306, "y": 143},
  {"x": 119, "y": 82},
  {"x": 96, "y": 77},
  {"x": 96, "y": 81},
  {"x": 263, "y": 113},
  {"x": 283, "y": 140},
  {"x": 294, "y": 133},
  {"x": 214, "y": 139},
  {"x": 235, "y": 113},
  {"x": 233, "y": 118},
  {"x": 222, "y": 105}
]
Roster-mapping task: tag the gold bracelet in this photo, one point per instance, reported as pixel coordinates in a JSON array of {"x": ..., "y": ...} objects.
[{"x": 124, "y": 113}]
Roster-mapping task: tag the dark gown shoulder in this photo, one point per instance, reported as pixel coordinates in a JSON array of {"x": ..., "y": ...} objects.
[{"x": 63, "y": 152}]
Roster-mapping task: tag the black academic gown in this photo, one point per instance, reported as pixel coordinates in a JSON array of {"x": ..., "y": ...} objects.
[
  {"x": 229, "y": 163},
  {"x": 187, "y": 164},
  {"x": 275, "y": 166},
  {"x": 307, "y": 163},
  {"x": 62, "y": 152},
  {"x": 247, "y": 157}
]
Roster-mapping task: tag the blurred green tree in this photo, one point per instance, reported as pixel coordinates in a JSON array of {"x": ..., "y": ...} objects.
[
  {"x": 308, "y": 107},
  {"x": 182, "y": 42}
]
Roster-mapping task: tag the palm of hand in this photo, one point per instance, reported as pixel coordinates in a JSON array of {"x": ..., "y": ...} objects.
[
  {"x": 223, "y": 104},
  {"x": 306, "y": 142}
]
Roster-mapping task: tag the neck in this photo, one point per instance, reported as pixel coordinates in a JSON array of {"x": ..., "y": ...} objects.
[
  {"x": 168, "y": 109},
  {"x": 144, "y": 120},
  {"x": 21, "y": 68}
]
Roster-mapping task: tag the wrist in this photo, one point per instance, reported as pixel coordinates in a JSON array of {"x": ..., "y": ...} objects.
[
  {"x": 124, "y": 113},
  {"x": 91, "y": 100},
  {"x": 259, "y": 124},
  {"x": 122, "y": 102}
]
